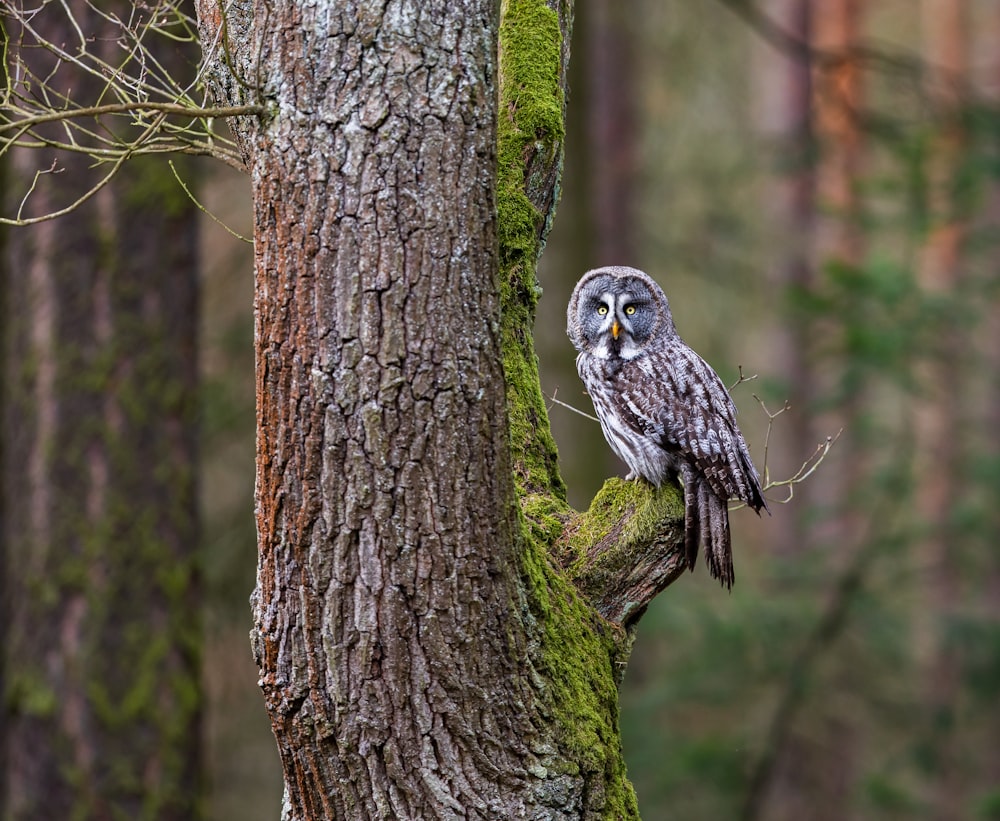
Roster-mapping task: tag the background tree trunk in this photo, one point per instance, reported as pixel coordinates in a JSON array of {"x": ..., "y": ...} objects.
[
  {"x": 610, "y": 100},
  {"x": 101, "y": 653},
  {"x": 783, "y": 90},
  {"x": 939, "y": 421}
]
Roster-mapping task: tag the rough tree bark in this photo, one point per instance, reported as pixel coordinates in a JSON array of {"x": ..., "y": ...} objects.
[
  {"x": 101, "y": 693},
  {"x": 439, "y": 635}
]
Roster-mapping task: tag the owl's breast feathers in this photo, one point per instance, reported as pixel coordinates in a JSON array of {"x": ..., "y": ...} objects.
[{"x": 690, "y": 417}]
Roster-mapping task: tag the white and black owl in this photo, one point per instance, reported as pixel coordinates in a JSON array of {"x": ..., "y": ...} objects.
[{"x": 663, "y": 409}]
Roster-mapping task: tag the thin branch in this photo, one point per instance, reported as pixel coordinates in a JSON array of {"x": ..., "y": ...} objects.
[
  {"x": 171, "y": 109},
  {"x": 19, "y": 221},
  {"x": 86, "y": 196},
  {"x": 777, "y": 36},
  {"x": 742, "y": 379},
  {"x": 808, "y": 467},
  {"x": 135, "y": 107},
  {"x": 202, "y": 208},
  {"x": 52, "y": 169},
  {"x": 566, "y": 405}
]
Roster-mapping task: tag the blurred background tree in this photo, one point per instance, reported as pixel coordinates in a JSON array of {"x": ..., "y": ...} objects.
[
  {"x": 101, "y": 604},
  {"x": 816, "y": 184}
]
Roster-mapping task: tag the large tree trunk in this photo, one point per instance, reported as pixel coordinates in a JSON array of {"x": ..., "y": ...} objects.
[
  {"x": 385, "y": 503},
  {"x": 421, "y": 656},
  {"x": 99, "y": 531}
]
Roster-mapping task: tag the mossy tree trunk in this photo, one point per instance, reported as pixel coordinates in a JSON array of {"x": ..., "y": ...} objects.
[
  {"x": 438, "y": 634},
  {"x": 101, "y": 691}
]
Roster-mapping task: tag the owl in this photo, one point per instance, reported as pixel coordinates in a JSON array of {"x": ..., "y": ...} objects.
[{"x": 662, "y": 408}]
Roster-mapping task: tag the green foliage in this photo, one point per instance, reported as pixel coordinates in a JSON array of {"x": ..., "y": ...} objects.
[
  {"x": 988, "y": 806},
  {"x": 888, "y": 798}
]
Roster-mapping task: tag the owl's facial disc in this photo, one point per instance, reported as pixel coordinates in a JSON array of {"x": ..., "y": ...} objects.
[
  {"x": 613, "y": 333},
  {"x": 628, "y": 325},
  {"x": 607, "y": 327}
]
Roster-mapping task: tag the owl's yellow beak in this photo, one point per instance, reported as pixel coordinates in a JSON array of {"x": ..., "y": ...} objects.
[{"x": 615, "y": 328}]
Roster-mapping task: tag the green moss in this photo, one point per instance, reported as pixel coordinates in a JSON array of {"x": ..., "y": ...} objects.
[
  {"x": 530, "y": 123},
  {"x": 531, "y": 120},
  {"x": 643, "y": 508},
  {"x": 546, "y": 517},
  {"x": 630, "y": 523},
  {"x": 578, "y": 653}
]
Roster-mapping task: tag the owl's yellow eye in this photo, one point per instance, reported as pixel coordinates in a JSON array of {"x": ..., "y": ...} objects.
[
  {"x": 602, "y": 310},
  {"x": 630, "y": 309}
]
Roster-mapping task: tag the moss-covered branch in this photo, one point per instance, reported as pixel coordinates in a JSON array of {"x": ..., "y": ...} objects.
[
  {"x": 626, "y": 548},
  {"x": 586, "y": 576}
]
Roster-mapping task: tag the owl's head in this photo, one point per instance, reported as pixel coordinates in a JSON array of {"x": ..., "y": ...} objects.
[{"x": 616, "y": 311}]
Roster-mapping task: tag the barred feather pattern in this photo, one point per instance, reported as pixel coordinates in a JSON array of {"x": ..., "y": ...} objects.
[{"x": 663, "y": 409}]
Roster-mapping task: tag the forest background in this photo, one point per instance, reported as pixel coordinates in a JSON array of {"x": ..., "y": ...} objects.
[{"x": 816, "y": 185}]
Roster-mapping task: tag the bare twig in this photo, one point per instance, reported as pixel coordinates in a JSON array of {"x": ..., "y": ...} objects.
[
  {"x": 202, "y": 208},
  {"x": 82, "y": 199},
  {"x": 566, "y": 405},
  {"x": 172, "y": 109},
  {"x": 743, "y": 378},
  {"x": 133, "y": 105},
  {"x": 808, "y": 467}
]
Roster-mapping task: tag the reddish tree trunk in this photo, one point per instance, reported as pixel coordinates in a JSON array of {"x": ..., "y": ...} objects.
[
  {"x": 938, "y": 416},
  {"x": 784, "y": 90}
]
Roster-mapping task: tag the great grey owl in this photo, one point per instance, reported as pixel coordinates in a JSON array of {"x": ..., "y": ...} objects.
[{"x": 663, "y": 409}]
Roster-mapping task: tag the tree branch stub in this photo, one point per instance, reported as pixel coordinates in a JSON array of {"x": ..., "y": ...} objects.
[{"x": 626, "y": 548}]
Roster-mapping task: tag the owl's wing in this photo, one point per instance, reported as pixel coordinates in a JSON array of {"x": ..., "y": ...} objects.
[{"x": 694, "y": 419}]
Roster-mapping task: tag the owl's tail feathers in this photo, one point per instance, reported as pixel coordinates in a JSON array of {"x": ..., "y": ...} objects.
[
  {"x": 750, "y": 491},
  {"x": 706, "y": 520}
]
